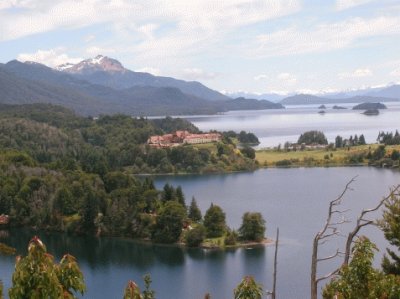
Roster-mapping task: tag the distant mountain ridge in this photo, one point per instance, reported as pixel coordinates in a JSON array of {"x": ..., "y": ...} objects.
[
  {"x": 273, "y": 97},
  {"x": 251, "y": 104},
  {"x": 307, "y": 99},
  {"x": 23, "y": 83},
  {"x": 390, "y": 92},
  {"x": 110, "y": 72},
  {"x": 102, "y": 85}
]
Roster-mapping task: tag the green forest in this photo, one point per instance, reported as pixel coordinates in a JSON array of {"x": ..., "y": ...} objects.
[{"x": 62, "y": 172}]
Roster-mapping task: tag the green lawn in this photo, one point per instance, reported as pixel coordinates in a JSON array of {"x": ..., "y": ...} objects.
[{"x": 317, "y": 157}]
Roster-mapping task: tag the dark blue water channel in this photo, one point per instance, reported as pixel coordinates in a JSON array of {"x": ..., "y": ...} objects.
[{"x": 295, "y": 200}]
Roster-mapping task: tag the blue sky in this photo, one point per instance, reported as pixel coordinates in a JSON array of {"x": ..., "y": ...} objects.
[{"x": 236, "y": 45}]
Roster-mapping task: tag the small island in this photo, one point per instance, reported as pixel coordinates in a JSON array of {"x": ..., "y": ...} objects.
[
  {"x": 338, "y": 107},
  {"x": 369, "y": 106},
  {"x": 322, "y": 107},
  {"x": 371, "y": 112}
]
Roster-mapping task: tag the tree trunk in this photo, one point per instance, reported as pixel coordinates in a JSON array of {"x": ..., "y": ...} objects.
[
  {"x": 314, "y": 283},
  {"x": 275, "y": 264}
]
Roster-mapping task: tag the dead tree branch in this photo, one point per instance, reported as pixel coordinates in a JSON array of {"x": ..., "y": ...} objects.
[
  {"x": 330, "y": 229},
  {"x": 362, "y": 221},
  {"x": 327, "y": 231}
]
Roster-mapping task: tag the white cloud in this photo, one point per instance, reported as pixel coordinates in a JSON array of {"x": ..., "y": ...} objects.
[
  {"x": 260, "y": 77},
  {"x": 148, "y": 30},
  {"x": 207, "y": 15},
  {"x": 149, "y": 69},
  {"x": 6, "y": 4},
  {"x": 94, "y": 51},
  {"x": 145, "y": 31},
  {"x": 287, "y": 78},
  {"x": 358, "y": 73},
  {"x": 52, "y": 57},
  {"x": 197, "y": 74},
  {"x": 47, "y": 15},
  {"x": 89, "y": 38},
  {"x": 395, "y": 73},
  {"x": 362, "y": 73},
  {"x": 346, "y": 4},
  {"x": 324, "y": 37}
]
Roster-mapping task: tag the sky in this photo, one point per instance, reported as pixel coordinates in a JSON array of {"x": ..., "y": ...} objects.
[{"x": 282, "y": 46}]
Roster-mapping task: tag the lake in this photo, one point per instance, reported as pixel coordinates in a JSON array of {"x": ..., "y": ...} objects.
[
  {"x": 295, "y": 200},
  {"x": 276, "y": 126}
]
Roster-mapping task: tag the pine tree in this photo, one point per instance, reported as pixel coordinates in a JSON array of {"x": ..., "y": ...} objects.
[
  {"x": 390, "y": 225},
  {"x": 338, "y": 141},
  {"x": 214, "y": 221},
  {"x": 194, "y": 211},
  {"x": 180, "y": 197},
  {"x": 168, "y": 192},
  {"x": 361, "y": 140}
]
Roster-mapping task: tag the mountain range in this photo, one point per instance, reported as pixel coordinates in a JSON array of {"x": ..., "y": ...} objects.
[
  {"x": 101, "y": 85},
  {"x": 385, "y": 94},
  {"x": 307, "y": 99}
]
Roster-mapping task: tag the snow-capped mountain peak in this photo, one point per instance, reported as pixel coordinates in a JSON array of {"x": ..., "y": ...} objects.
[
  {"x": 91, "y": 65},
  {"x": 97, "y": 59},
  {"x": 63, "y": 67}
]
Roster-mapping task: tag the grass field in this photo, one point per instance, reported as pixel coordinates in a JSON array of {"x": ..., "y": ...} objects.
[{"x": 317, "y": 157}]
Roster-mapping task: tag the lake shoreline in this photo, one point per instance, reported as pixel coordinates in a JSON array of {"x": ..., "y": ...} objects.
[{"x": 182, "y": 245}]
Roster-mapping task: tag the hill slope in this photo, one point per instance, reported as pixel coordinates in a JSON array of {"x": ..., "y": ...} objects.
[{"x": 32, "y": 82}]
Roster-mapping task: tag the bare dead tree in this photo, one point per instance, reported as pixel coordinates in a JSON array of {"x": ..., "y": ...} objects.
[
  {"x": 330, "y": 229},
  {"x": 273, "y": 294}
]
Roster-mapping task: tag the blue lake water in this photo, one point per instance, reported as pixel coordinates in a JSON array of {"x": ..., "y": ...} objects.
[
  {"x": 278, "y": 126},
  {"x": 295, "y": 200}
]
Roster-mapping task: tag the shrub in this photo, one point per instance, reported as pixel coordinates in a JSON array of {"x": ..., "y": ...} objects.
[
  {"x": 231, "y": 238},
  {"x": 284, "y": 162},
  {"x": 195, "y": 236}
]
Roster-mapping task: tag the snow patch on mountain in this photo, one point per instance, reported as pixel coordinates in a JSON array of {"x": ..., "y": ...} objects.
[
  {"x": 64, "y": 66},
  {"x": 91, "y": 65}
]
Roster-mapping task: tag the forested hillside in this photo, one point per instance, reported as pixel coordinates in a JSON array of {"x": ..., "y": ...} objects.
[
  {"x": 56, "y": 138},
  {"x": 65, "y": 172}
]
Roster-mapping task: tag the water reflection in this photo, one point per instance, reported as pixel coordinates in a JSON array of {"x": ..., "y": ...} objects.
[{"x": 99, "y": 252}]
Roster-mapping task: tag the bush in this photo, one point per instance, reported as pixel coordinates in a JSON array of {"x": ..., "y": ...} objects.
[
  {"x": 195, "y": 236},
  {"x": 231, "y": 238},
  {"x": 284, "y": 162},
  {"x": 395, "y": 155},
  {"x": 248, "y": 152},
  {"x": 379, "y": 153}
]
